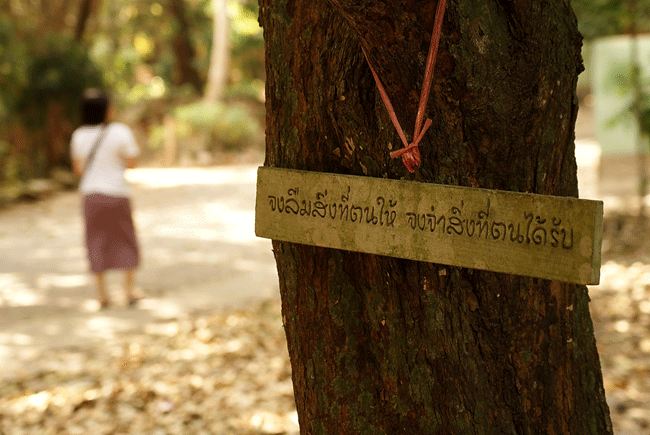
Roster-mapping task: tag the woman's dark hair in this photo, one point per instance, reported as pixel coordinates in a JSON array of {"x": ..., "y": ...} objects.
[{"x": 94, "y": 106}]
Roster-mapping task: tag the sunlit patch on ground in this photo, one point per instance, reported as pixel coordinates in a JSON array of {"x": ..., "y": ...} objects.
[
  {"x": 50, "y": 280},
  {"x": 15, "y": 292},
  {"x": 174, "y": 177}
]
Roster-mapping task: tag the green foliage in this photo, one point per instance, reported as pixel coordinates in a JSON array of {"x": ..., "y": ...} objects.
[
  {"x": 620, "y": 80},
  {"x": 13, "y": 67},
  {"x": 627, "y": 115},
  {"x": 247, "y": 42},
  {"x": 130, "y": 47},
  {"x": 253, "y": 90},
  {"x": 229, "y": 125},
  {"x": 598, "y": 18},
  {"x": 61, "y": 73},
  {"x": 135, "y": 50},
  {"x": 628, "y": 82}
]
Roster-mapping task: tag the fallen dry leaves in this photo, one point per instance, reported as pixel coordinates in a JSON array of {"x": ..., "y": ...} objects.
[
  {"x": 219, "y": 374},
  {"x": 620, "y": 309}
]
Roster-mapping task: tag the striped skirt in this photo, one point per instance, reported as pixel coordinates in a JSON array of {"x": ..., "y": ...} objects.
[{"x": 110, "y": 233}]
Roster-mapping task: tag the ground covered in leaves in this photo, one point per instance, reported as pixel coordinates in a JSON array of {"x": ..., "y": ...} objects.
[
  {"x": 229, "y": 373},
  {"x": 218, "y": 374},
  {"x": 620, "y": 309}
]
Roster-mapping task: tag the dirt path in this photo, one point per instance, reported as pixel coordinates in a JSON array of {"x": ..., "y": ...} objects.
[{"x": 200, "y": 254}]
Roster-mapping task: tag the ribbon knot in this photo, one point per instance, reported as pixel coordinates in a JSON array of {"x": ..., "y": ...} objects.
[{"x": 411, "y": 153}]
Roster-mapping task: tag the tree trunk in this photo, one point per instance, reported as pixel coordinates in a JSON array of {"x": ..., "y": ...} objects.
[
  {"x": 184, "y": 50},
  {"x": 389, "y": 346},
  {"x": 85, "y": 7},
  {"x": 637, "y": 98},
  {"x": 58, "y": 130},
  {"x": 219, "y": 57}
]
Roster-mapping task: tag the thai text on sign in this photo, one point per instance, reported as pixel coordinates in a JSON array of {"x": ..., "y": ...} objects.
[{"x": 518, "y": 233}]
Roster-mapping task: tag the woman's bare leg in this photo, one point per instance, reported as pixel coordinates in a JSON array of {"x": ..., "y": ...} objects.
[
  {"x": 101, "y": 289},
  {"x": 128, "y": 286}
]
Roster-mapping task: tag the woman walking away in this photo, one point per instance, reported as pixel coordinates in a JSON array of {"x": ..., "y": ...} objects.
[{"x": 101, "y": 150}]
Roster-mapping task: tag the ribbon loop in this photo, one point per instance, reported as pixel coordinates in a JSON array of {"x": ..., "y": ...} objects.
[{"x": 410, "y": 153}]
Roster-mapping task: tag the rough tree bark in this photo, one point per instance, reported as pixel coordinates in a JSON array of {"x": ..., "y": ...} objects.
[{"x": 382, "y": 345}]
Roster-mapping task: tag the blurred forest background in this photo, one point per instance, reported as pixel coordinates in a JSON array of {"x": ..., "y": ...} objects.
[{"x": 186, "y": 75}]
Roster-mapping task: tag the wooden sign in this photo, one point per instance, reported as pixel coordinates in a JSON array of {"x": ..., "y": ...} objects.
[{"x": 519, "y": 233}]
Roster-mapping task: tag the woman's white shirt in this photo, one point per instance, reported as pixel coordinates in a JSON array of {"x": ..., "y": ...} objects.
[{"x": 105, "y": 175}]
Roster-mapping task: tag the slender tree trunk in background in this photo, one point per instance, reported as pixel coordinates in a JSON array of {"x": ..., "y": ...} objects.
[
  {"x": 219, "y": 61},
  {"x": 58, "y": 130},
  {"x": 171, "y": 142},
  {"x": 59, "y": 13},
  {"x": 381, "y": 345},
  {"x": 45, "y": 7},
  {"x": 637, "y": 90},
  {"x": 184, "y": 50},
  {"x": 85, "y": 6},
  {"x": 220, "y": 55},
  {"x": 53, "y": 12}
]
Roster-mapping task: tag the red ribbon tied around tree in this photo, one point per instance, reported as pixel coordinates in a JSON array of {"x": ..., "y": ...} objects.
[{"x": 411, "y": 153}]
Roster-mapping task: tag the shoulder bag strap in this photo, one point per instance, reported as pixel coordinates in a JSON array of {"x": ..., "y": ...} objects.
[{"x": 93, "y": 150}]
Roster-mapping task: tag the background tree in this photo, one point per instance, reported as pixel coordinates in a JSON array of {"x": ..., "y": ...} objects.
[
  {"x": 184, "y": 49},
  {"x": 611, "y": 17},
  {"x": 85, "y": 9},
  {"x": 383, "y": 345},
  {"x": 131, "y": 47},
  {"x": 220, "y": 53}
]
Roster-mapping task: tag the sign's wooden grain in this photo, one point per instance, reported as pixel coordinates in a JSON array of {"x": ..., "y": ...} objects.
[{"x": 524, "y": 234}]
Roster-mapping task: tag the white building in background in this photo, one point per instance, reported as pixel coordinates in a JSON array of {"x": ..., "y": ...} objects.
[{"x": 609, "y": 62}]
